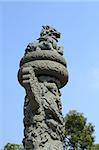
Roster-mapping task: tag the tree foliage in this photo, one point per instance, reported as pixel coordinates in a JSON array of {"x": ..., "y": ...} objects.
[
  {"x": 96, "y": 147},
  {"x": 78, "y": 133},
  {"x": 10, "y": 146}
]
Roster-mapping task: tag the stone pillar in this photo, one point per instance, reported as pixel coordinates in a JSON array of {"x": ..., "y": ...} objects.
[{"x": 42, "y": 73}]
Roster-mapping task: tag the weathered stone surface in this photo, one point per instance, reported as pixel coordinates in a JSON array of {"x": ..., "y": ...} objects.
[
  {"x": 47, "y": 41},
  {"x": 43, "y": 71},
  {"x": 43, "y": 55}
]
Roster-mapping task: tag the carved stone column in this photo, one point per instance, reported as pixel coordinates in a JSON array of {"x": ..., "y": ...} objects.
[{"x": 42, "y": 73}]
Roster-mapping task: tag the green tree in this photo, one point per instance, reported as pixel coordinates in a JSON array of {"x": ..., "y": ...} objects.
[
  {"x": 95, "y": 147},
  {"x": 10, "y": 146},
  {"x": 78, "y": 133}
]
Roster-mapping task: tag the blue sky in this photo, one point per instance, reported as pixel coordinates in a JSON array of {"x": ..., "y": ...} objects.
[{"x": 20, "y": 23}]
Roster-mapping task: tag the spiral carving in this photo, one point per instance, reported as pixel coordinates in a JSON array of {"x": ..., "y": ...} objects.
[{"x": 42, "y": 72}]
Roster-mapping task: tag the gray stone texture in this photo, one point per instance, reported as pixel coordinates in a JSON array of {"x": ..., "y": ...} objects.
[{"x": 43, "y": 71}]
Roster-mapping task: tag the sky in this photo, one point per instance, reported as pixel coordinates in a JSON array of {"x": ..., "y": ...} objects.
[{"x": 20, "y": 23}]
